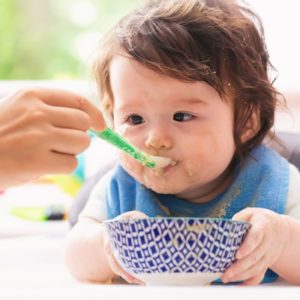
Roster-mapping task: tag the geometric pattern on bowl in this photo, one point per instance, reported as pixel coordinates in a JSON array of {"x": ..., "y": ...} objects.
[{"x": 175, "y": 245}]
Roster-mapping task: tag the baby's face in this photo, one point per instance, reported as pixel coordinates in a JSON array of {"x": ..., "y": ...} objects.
[{"x": 187, "y": 122}]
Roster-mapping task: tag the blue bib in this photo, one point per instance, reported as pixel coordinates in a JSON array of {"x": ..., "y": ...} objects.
[{"x": 261, "y": 180}]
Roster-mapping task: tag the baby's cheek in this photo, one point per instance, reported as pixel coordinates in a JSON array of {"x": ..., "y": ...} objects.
[
  {"x": 125, "y": 161},
  {"x": 191, "y": 168},
  {"x": 134, "y": 168},
  {"x": 137, "y": 171}
]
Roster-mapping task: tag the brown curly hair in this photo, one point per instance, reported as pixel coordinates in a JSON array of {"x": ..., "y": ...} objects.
[{"x": 220, "y": 42}]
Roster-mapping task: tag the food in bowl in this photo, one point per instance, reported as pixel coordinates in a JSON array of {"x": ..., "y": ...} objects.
[{"x": 176, "y": 251}]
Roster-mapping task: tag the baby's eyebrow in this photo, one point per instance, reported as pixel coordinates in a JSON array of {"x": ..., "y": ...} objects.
[
  {"x": 190, "y": 101},
  {"x": 126, "y": 107},
  {"x": 129, "y": 107}
]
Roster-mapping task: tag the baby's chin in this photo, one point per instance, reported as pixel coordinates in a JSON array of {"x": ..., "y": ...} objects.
[
  {"x": 157, "y": 185},
  {"x": 161, "y": 188}
]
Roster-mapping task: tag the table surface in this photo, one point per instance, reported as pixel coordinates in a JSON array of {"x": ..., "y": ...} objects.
[
  {"x": 32, "y": 264},
  {"x": 32, "y": 267}
]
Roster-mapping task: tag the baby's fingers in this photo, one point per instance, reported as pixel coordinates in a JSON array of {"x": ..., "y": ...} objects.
[
  {"x": 134, "y": 214},
  {"x": 117, "y": 269},
  {"x": 255, "y": 234},
  {"x": 246, "y": 267},
  {"x": 255, "y": 280},
  {"x": 258, "y": 269},
  {"x": 253, "y": 239}
]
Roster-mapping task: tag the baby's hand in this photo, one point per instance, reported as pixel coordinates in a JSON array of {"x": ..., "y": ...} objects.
[
  {"x": 263, "y": 245},
  {"x": 116, "y": 268}
]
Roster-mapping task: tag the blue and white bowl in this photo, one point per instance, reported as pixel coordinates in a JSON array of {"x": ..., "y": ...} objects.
[{"x": 176, "y": 251}]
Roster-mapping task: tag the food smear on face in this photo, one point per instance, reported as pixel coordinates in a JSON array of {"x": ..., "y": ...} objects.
[
  {"x": 189, "y": 168},
  {"x": 159, "y": 171}
]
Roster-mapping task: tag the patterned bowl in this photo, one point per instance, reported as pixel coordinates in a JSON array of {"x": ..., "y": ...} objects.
[{"x": 176, "y": 251}]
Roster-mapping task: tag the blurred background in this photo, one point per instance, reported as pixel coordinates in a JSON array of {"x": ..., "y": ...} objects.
[{"x": 50, "y": 39}]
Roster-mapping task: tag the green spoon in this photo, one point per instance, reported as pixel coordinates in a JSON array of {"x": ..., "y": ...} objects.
[{"x": 118, "y": 141}]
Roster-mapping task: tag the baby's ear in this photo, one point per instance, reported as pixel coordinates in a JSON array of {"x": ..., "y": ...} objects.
[
  {"x": 252, "y": 126},
  {"x": 106, "y": 108}
]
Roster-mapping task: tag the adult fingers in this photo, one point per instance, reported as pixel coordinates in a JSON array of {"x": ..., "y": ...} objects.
[
  {"x": 57, "y": 97},
  {"x": 68, "y": 141},
  {"x": 71, "y": 118},
  {"x": 58, "y": 163}
]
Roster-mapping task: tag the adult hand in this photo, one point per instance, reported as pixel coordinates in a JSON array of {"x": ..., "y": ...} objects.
[
  {"x": 264, "y": 244},
  {"x": 116, "y": 268},
  {"x": 41, "y": 131}
]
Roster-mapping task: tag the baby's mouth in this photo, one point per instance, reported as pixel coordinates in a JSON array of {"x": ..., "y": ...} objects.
[{"x": 165, "y": 169}]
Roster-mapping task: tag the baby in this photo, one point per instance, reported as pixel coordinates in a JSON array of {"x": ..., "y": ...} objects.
[{"x": 188, "y": 80}]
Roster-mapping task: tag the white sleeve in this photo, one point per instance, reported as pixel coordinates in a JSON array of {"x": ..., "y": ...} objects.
[
  {"x": 95, "y": 206},
  {"x": 293, "y": 201}
]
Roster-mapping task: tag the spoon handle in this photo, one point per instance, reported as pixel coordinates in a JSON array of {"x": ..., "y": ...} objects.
[{"x": 118, "y": 141}]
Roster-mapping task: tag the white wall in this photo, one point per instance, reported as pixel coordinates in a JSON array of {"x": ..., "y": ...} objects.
[{"x": 281, "y": 19}]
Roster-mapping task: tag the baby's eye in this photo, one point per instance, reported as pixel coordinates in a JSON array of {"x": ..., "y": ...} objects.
[
  {"x": 182, "y": 116},
  {"x": 135, "y": 120}
]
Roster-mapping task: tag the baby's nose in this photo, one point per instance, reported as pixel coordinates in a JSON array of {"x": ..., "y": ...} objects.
[{"x": 159, "y": 141}]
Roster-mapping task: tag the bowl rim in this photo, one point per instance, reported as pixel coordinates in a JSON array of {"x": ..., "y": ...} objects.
[{"x": 119, "y": 220}]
